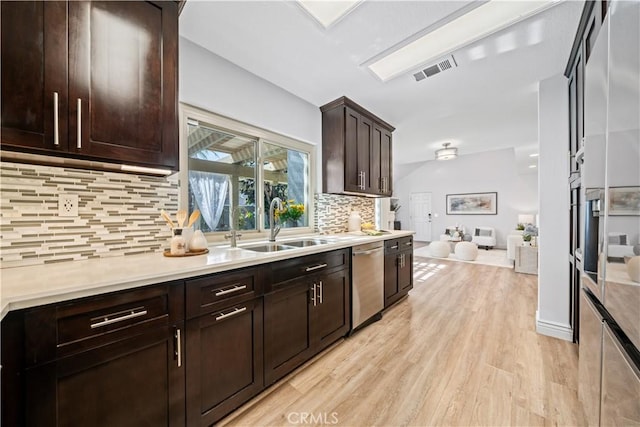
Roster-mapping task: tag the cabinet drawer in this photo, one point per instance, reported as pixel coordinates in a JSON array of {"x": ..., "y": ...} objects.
[
  {"x": 297, "y": 267},
  {"x": 67, "y": 328},
  {"x": 393, "y": 246},
  {"x": 210, "y": 293}
]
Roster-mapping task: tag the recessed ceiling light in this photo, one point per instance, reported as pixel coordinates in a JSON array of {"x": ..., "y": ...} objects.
[
  {"x": 534, "y": 155},
  {"x": 533, "y": 166},
  {"x": 328, "y": 12},
  {"x": 480, "y": 22}
]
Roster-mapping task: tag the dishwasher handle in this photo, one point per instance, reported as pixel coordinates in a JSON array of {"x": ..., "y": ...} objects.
[{"x": 372, "y": 251}]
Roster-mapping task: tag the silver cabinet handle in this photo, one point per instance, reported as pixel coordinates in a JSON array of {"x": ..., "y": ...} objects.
[
  {"x": 178, "y": 347},
  {"x": 56, "y": 124},
  {"x": 314, "y": 297},
  {"x": 120, "y": 316},
  {"x": 408, "y": 243},
  {"x": 315, "y": 267},
  {"x": 362, "y": 175},
  {"x": 394, "y": 247},
  {"x": 79, "y": 141},
  {"x": 234, "y": 288},
  {"x": 235, "y": 312},
  {"x": 321, "y": 291}
]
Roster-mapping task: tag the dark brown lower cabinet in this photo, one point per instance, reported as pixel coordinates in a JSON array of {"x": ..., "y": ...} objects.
[
  {"x": 224, "y": 361},
  {"x": 398, "y": 269},
  {"x": 134, "y": 382},
  {"x": 303, "y": 316},
  {"x": 110, "y": 360}
]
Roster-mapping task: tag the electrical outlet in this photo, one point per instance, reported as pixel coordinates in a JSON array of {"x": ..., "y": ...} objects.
[{"x": 68, "y": 205}]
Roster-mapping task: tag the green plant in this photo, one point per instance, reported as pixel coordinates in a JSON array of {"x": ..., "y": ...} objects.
[
  {"x": 520, "y": 226},
  {"x": 526, "y": 237}
]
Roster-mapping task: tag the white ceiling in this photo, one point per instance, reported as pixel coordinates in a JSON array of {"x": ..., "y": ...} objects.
[{"x": 488, "y": 102}]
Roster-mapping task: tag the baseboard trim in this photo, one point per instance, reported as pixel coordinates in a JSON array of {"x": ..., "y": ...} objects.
[{"x": 554, "y": 329}]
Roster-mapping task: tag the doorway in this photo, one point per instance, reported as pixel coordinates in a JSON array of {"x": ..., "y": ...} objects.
[{"x": 420, "y": 211}]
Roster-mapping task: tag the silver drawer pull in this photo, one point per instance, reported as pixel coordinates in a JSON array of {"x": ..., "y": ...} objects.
[
  {"x": 394, "y": 247},
  {"x": 408, "y": 243},
  {"x": 118, "y": 317},
  {"x": 232, "y": 313},
  {"x": 79, "y": 123},
  {"x": 56, "y": 125},
  {"x": 235, "y": 288},
  {"x": 315, "y": 267}
]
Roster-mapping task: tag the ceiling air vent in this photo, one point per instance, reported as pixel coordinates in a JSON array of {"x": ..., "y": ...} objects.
[{"x": 443, "y": 65}]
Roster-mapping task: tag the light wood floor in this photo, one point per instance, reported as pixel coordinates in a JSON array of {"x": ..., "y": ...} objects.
[{"x": 461, "y": 350}]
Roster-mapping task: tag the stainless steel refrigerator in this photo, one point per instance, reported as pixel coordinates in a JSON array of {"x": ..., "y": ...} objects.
[{"x": 609, "y": 342}]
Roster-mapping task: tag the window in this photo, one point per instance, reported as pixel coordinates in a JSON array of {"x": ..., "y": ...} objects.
[{"x": 233, "y": 171}]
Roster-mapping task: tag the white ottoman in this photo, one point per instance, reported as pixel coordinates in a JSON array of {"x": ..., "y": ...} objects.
[
  {"x": 466, "y": 251},
  {"x": 439, "y": 249}
]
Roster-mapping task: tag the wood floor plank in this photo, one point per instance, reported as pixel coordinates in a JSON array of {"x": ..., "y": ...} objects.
[{"x": 461, "y": 350}]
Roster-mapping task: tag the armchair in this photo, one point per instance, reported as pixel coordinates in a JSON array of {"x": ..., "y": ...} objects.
[{"x": 484, "y": 236}]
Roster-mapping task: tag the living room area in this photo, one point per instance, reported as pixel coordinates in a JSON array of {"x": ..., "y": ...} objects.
[{"x": 479, "y": 212}]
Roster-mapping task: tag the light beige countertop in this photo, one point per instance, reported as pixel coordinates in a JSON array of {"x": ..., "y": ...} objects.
[{"x": 31, "y": 286}]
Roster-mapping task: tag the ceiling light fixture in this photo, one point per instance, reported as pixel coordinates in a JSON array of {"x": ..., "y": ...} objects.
[
  {"x": 328, "y": 13},
  {"x": 446, "y": 153},
  {"x": 534, "y": 155},
  {"x": 480, "y": 22},
  {"x": 533, "y": 166}
]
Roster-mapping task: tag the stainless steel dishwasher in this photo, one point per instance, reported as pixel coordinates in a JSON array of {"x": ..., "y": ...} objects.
[{"x": 367, "y": 283}]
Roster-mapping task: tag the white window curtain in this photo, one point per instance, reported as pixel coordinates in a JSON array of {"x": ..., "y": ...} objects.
[{"x": 210, "y": 192}]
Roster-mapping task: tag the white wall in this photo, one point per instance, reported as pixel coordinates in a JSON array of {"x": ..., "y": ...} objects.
[
  {"x": 553, "y": 315},
  {"x": 212, "y": 83},
  {"x": 493, "y": 171}
]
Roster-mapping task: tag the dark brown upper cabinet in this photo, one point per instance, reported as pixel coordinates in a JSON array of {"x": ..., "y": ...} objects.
[
  {"x": 91, "y": 80},
  {"x": 356, "y": 150}
]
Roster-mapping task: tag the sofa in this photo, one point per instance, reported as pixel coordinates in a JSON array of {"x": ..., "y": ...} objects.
[{"x": 618, "y": 246}]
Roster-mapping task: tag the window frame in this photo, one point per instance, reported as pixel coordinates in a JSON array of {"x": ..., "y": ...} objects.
[{"x": 262, "y": 136}]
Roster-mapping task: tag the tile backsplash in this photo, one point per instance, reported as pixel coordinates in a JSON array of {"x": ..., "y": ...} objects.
[
  {"x": 118, "y": 214},
  {"x": 333, "y": 210}
]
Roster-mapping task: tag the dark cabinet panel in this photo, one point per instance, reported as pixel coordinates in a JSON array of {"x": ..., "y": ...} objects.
[
  {"x": 331, "y": 318},
  {"x": 224, "y": 361},
  {"x": 122, "y": 81},
  {"x": 133, "y": 382},
  {"x": 109, "y": 360},
  {"x": 91, "y": 80},
  {"x": 398, "y": 269},
  {"x": 356, "y": 150},
  {"x": 305, "y": 314},
  {"x": 287, "y": 335},
  {"x": 34, "y": 74}
]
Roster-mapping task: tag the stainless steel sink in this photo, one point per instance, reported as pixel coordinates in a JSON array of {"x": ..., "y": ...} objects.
[
  {"x": 306, "y": 242},
  {"x": 267, "y": 247}
]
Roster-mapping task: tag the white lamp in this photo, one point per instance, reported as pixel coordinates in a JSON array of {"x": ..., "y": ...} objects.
[
  {"x": 526, "y": 219},
  {"x": 446, "y": 153}
]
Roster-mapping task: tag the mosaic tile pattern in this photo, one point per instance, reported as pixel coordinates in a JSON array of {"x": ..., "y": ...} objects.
[
  {"x": 333, "y": 210},
  {"x": 118, "y": 214}
]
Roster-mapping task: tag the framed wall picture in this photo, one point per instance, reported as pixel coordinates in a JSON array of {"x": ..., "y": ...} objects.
[
  {"x": 472, "y": 204},
  {"x": 624, "y": 201}
]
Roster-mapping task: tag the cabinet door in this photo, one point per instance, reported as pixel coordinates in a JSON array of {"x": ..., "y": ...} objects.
[
  {"x": 224, "y": 361},
  {"x": 386, "y": 163},
  {"x": 123, "y": 81},
  {"x": 405, "y": 272},
  {"x": 134, "y": 382},
  {"x": 34, "y": 70},
  {"x": 391, "y": 288},
  {"x": 287, "y": 340},
  {"x": 332, "y": 311},
  {"x": 365, "y": 159},
  {"x": 381, "y": 161},
  {"x": 352, "y": 167}
]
